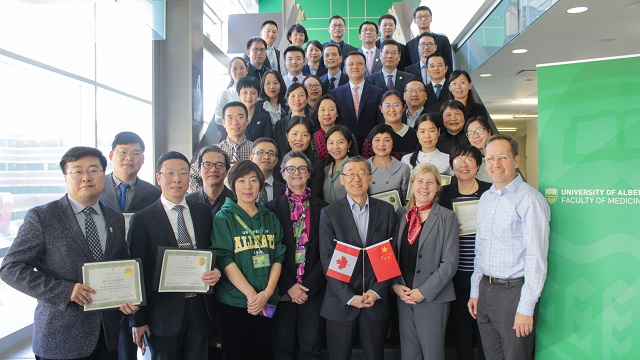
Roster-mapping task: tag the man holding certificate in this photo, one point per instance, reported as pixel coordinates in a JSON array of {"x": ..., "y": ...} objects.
[
  {"x": 177, "y": 317},
  {"x": 56, "y": 239}
]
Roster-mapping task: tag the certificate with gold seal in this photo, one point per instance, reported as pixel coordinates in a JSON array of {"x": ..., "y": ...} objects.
[
  {"x": 181, "y": 270},
  {"x": 115, "y": 283},
  {"x": 466, "y": 210},
  {"x": 392, "y": 197}
]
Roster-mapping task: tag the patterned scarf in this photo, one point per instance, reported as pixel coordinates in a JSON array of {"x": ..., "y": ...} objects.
[
  {"x": 321, "y": 145},
  {"x": 298, "y": 205},
  {"x": 413, "y": 218}
]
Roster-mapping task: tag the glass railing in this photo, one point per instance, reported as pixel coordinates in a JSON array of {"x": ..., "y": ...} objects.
[{"x": 504, "y": 23}]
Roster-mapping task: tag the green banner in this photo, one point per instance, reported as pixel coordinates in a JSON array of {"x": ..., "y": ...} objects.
[{"x": 589, "y": 141}]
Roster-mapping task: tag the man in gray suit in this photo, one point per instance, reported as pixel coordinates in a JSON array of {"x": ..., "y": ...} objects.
[
  {"x": 127, "y": 193},
  {"x": 44, "y": 259},
  {"x": 360, "y": 221},
  {"x": 123, "y": 190}
]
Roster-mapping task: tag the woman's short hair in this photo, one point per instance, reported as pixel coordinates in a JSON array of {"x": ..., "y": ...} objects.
[
  {"x": 298, "y": 120},
  {"x": 297, "y": 28},
  {"x": 295, "y": 86},
  {"x": 465, "y": 150},
  {"x": 243, "y": 168},
  {"x": 381, "y": 129},
  {"x": 247, "y": 82},
  {"x": 482, "y": 121},
  {"x": 295, "y": 154},
  {"x": 316, "y": 107},
  {"x": 422, "y": 169}
]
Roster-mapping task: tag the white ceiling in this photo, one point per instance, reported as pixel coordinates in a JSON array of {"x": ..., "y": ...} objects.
[{"x": 608, "y": 28}]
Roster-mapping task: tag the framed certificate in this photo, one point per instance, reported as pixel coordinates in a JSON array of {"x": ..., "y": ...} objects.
[
  {"x": 115, "y": 283},
  {"x": 445, "y": 180},
  {"x": 392, "y": 197},
  {"x": 467, "y": 212},
  {"x": 180, "y": 270}
]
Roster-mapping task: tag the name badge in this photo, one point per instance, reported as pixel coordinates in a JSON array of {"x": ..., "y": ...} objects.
[
  {"x": 300, "y": 255},
  {"x": 260, "y": 261}
]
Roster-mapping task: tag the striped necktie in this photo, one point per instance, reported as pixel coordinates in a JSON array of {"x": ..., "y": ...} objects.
[
  {"x": 91, "y": 233},
  {"x": 184, "y": 240}
]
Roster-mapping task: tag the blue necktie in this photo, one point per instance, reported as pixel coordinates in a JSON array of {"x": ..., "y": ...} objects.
[
  {"x": 437, "y": 88},
  {"x": 91, "y": 233},
  {"x": 123, "y": 195}
]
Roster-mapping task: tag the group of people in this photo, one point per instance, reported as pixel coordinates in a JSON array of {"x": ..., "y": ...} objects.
[{"x": 304, "y": 148}]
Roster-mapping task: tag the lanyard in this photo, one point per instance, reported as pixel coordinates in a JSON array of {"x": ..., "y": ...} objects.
[{"x": 256, "y": 239}]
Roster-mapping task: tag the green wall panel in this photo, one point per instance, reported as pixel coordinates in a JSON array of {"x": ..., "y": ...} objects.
[{"x": 267, "y": 6}]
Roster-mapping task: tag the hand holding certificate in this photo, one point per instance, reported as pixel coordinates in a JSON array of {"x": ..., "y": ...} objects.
[
  {"x": 115, "y": 283},
  {"x": 183, "y": 270},
  {"x": 467, "y": 212}
]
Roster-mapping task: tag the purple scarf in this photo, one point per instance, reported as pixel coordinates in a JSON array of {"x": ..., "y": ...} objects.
[{"x": 299, "y": 205}]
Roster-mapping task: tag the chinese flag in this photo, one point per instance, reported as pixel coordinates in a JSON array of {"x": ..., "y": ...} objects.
[
  {"x": 383, "y": 260},
  {"x": 343, "y": 261}
]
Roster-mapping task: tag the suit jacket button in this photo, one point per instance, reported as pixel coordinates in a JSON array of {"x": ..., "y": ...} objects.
[
  {"x": 373, "y": 182},
  {"x": 419, "y": 256},
  {"x": 387, "y": 183},
  {"x": 418, "y": 272}
]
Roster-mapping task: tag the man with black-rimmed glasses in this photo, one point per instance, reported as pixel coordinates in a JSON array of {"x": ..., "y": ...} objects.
[{"x": 213, "y": 165}]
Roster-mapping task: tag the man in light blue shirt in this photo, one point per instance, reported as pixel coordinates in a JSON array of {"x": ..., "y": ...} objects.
[{"x": 512, "y": 241}]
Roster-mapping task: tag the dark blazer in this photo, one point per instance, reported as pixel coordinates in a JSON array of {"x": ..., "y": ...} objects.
[
  {"x": 431, "y": 94},
  {"x": 345, "y": 49},
  {"x": 378, "y": 79},
  {"x": 377, "y": 63},
  {"x": 51, "y": 240},
  {"x": 145, "y": 195},
  {"x": 149, "y": 229},
  {"x": 324, "y": 79},
  {"x": 369, "y": 114},
  {"x": 336, "y": 222},
  {"x": 313, "y": 277},
  {"x": 278, "y": 188},
  {"x": 321, "y": 70},
  {"x": 267, "y": 63},
  {"x": 404, "y": 55},
  {"x": 251, "y": 70},
  {"x": 444, "y": 48},
  {"x": 260, "y": 125},
  {"x": 437, "y": 260},
  {"x": 415, "y": 71},
  {"x": 200, "y": 197}
]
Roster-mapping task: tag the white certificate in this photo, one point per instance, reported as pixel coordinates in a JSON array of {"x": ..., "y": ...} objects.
[
  {"x": 467, "y": 212},
  {"x": 182, "y": 271},
  {"x": 115, "y": 283},
  {"x": 445, "y": 180},
  {"x": 392, "y": 197}
]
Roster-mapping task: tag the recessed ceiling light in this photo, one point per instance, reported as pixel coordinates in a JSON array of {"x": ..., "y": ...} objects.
[
  {"x": 507, "y": 129},
  {"x": 486, "y": 75},
  {"x": 526, "y": 101},
  {"x": 519, "y": 51},
  {"x": 577, "y": 10}
]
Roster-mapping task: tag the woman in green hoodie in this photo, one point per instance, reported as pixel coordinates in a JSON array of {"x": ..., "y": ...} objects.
[{"x": 248, "y": 240}]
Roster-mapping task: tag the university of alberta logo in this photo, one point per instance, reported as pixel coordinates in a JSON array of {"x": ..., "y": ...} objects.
[{"x": 551, "y": 194}]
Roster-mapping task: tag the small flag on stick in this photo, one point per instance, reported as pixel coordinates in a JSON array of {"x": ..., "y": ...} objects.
[
  {"x": 383, "y": 260},
  {"x": 343, "y": 261}
]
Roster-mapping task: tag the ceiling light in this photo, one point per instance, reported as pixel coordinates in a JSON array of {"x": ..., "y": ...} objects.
[
  {"x": 577, "y": 10},
  {"x": 519, "y": 51},
  {"x": 486, "y": 75},
  {"x": 501, "y": 117},
  {"x": 526, "y": 101},
  {"x": 507, "y": 129},
  {"x": 525, "y": 117}
]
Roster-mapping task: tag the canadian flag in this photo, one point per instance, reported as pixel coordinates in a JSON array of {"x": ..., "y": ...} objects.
[{"x": 343, "y": 261}]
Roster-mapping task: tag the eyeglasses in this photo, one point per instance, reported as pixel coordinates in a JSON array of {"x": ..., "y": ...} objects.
[
  {"x": 424, "y": 45},
  {"x": 461, "y": 83},
  {"x": 411, "y": 91},
  {"x": 219, "y": 165},
  {"x": 258, "y": 50},
  {"x": 469, "y": 161},
  {"x": 173, "y": 173},
  {"x": 478, "y": 131},
  {"x": 79, "y": 174},
  {"x": 361, "y": 175},
  {"x": 300, "y": 169},
  {"x": 388, "y": 106},
  {"x": 491, "y": 159},
  {"x": 312, "y": 86},
  {"x": 265, "y": 153},
  {"x": 133, "y": 154}
]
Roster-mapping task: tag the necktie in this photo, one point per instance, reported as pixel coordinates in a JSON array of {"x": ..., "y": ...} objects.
[
  {"x": 184, "y": 240},
  {"x": 91, "y": 233},
  {"x": 295, "y": 79},
  {"x": 235, "y": 157},
  {"x": 332, "y": 83},
  {"x": 424, "y": 73},
  {"x": 389, "y": 82},
  {"x": 356, "y": 99},
  {"x": 437, "y": 88},
  {"x": 123, "y": 195},
  {"x": 263, "y": 197},
  {"x": 370, "y": 61},
  {"x": 270, "y": 55}
]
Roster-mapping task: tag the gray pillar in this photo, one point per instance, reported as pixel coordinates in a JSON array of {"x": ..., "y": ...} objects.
[{"x": 177, "y": 79}]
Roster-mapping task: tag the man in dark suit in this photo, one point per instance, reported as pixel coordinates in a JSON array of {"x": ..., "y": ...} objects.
[
  {"x": 427, "y": 46},
  {"x": 269, "y": 33},
  {"x": 389, "y": 77},
  {"x": 438, "y": 89},
  {"x": 415, "y": 96},
  {"x": 257, "y": 53},
  {"x": 422, "y": 18},
  {"x": 43, "y": 261},
  {"x": 337, "y": 27},
  {"x": 368, "y": 33},
  {"x": 334, "y": 76},
  {"x": 362, "y": 118},
  {"x": 213, "y": 164},
  {"x": 177, "y": 324},
  {"x": 301, "y": 294},
  {"x": 264, "y": 153},
  {"x": 360, "y": 221},
  {"x": 387, "y": 24},
  {"x": 127, "y": 193}
]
